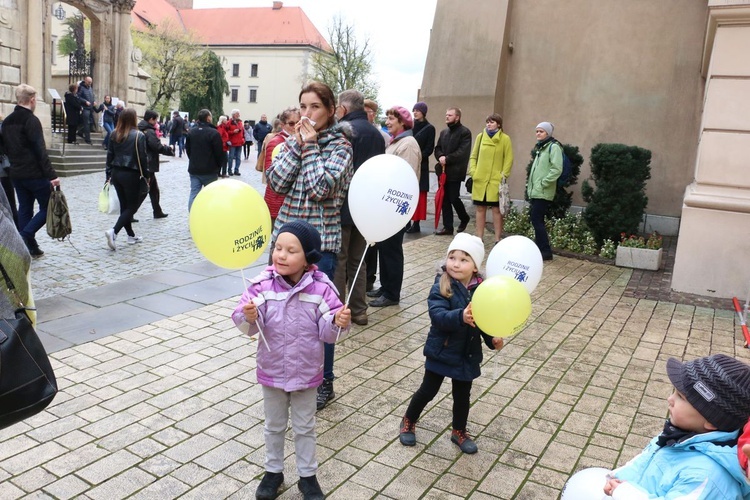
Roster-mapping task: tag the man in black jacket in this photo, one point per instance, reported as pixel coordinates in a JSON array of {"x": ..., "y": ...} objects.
[
  {"x": 30, "y": 169},
  {"x": 204, "y": 149},
  {"x": 452, "y": 152},
  {"x": 88, "y": 106},
  {"x": 177, "y": 132},
  {"x": 154, "y": 148}
]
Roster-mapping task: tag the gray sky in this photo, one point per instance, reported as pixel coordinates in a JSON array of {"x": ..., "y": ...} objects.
[{"x": 399, "y": 33}]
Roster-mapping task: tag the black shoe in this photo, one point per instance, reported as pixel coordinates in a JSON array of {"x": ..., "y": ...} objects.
[
  {"x": 236, "y": 172},
  {"x": 268, "y": 489},
  {"x": 445, "y": 232},
  {"x": 360, "y": 319},
  {"x": 547, "y": 257},
  {"x": 310, "y": 488},
  {"x": 375, "y": 293},
  {"x": 133, "y": 220},
  {"x": 414, "y": 228},
  {"x": 36, "y": 252},
  {"x": 462, "y": 227},
  {"x": 325, "y": 393},
  {"x": 160, "y": 215},
  {"x": 383, "y": 301},
  {"x": 33, "y": 247},
  {"x": 406, "y": 434}
]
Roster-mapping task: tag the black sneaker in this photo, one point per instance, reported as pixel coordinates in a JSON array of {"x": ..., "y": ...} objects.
[
  {"x": 325, "y": 393},
  {"x": 406, "y": 434},
  {"x": 310, "y": 488},
  {"x": 268, "y": 489}
]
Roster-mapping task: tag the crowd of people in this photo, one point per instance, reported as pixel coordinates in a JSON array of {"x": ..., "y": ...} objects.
[{"x": 299, "y": 303}]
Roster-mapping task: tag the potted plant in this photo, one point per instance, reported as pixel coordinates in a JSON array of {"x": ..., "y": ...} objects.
[{"x": 639, "y": 252}]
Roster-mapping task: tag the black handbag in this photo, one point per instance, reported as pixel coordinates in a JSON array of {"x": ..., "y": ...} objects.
[
  {"x": 144, "y": 185},
  {"x": 27, "y": 382},
  {"x": 468, "y": 184}
]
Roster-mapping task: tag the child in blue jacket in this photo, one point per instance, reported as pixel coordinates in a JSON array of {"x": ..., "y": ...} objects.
[
  {"x": 695, "y": 456},
  {"x": 454, "y": 343}
]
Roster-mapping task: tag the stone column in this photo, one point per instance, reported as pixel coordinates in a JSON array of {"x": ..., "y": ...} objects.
[
  {"x": 34, "y": 74},
  {"x": 713, "y": 246},
  {"x": 123, "y": 48}
]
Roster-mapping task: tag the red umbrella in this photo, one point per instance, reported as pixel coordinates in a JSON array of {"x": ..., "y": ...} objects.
[{"x": 439, "y": 194}]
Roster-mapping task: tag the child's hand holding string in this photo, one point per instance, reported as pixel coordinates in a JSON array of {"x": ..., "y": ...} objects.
[
  {"x": 468, "y": 316},
  {"x": 343, "y": 318},
  {"x": 250, "y": 310},
  {"x": 497, "y": 343}
]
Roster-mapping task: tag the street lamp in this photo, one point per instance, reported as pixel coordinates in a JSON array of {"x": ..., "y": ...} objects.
[{"x": 59, "y": 12}]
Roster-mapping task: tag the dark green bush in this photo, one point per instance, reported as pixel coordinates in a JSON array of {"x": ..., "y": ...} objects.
[
  {"x": 563, "y": 198},
  {"x": 619, "y": 201}
]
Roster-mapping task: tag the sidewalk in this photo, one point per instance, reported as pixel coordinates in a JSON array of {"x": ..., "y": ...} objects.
[{"x": 169, "y": 406}]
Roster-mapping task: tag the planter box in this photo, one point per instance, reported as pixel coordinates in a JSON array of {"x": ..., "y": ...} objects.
[{"x": 638, "y": 258}]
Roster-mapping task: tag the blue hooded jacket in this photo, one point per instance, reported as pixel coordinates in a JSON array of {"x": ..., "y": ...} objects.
[{"x": 694, "y": 469}]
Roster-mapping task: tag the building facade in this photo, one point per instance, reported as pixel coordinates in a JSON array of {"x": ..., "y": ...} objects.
[{"x": 668, "y": 75}]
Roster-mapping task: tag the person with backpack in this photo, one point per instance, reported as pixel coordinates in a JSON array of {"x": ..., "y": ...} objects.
[
  {"x": 542, "y": 183},
  {"x": 490, "y": 164}
]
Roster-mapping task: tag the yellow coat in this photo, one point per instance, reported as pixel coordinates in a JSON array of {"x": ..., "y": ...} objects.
[{"x": 491, "y": 159}]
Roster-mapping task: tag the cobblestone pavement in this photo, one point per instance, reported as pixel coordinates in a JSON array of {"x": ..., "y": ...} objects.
[
  {"x": 166, "y": 242},
  {"x": 171, "y": 409}
]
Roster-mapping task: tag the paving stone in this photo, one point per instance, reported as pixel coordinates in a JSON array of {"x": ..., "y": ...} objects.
[
  {"x": 67, "y": 487},
  {"x": 218, "y": 486},
  {"x": 33, "y": 480},
  {"x": 121, "y": 486},
  {"x": 9, "y": 491},
  {"x": 107, "y": 467},
  {"x": 166, "y": 487},
  {"x": 32, "y": 457},
  {"x": 74, "y": 460},
  {"x": 191, "y": 448}
]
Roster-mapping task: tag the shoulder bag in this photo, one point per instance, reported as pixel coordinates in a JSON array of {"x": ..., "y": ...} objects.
[
  {"x": 144, "y": 186},
  {"x": 27, "y": 382}
]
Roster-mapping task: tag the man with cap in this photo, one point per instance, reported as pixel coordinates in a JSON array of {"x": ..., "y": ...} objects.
[
  {"x": 542, "y": 183},
  {"x": 424, "y": 133},
  {"x": 695, "y": 456},
  {"x": 452, "y": 152}
]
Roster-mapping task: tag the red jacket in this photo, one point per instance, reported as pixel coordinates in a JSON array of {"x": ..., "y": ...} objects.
[
  {"x": 236, "y": 131},
  {"x": 224, "y": 136},
  {"x": 744, "y": 439}
]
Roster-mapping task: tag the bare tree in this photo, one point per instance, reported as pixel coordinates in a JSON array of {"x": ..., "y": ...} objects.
[{"x": 349, "y": 63}]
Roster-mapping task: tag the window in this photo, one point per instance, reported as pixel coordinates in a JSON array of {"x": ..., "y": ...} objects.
[
  {"x": 235, "y": 94},
  {"x": 253, "y": 70},
  {"x": 235, "y": 70},
  {"x": 253, "y": 94}
]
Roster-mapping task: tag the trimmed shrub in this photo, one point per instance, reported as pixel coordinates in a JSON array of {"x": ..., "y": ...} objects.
[{"x": 619, "y": 201}]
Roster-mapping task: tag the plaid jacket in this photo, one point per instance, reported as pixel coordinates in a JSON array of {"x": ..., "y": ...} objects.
[{"x": 315, "y": 179}]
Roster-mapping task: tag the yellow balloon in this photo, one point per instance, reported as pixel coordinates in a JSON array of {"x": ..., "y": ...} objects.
[
  {"x": 501, "y": 305},
  {"x": 230, "y": 223}
]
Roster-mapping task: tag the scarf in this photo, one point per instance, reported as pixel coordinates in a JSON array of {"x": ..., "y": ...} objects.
[
  {"x": 491, "y": 133},
  {"x": 672, "y": 435}
]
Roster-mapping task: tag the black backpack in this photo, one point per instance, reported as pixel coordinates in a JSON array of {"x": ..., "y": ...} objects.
[{"x": 567, "y": 169}]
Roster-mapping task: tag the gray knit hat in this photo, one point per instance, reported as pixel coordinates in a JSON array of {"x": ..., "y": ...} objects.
[
  {"x": 717, "y": 386},
  {"x": 308, "y": 237}
]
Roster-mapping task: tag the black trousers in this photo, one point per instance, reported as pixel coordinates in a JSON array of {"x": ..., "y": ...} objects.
[
  {"x": 246, "y": 149},
  {"x": 428, "y": 390},
  {"x": 10, "y": 193},
  {"x": 72, "y": 128},
  {"x": 154, "y": 194},
  {"x": 451, "y": 200},
  {"x": 538, "y": 211},
  {"x": 371, "y": 265},
  {"x": 125, "y": 182},
  {"x": 391, "y": 255}
]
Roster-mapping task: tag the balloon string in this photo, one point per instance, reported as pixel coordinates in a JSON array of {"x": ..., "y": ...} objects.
[
  {"x": 349, "y": 296},
  {"x": 260, "y": 330}
]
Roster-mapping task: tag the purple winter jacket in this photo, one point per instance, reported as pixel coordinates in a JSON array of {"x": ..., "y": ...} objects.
[{"x": 296, "y": 320}]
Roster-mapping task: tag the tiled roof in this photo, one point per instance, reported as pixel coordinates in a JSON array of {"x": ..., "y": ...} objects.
[{"x": 235, "y": 26}]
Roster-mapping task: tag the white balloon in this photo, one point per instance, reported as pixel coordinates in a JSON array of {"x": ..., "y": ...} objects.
[
  {"x": 586, "y": 484},
  {"x": 519, "y": 258},
  {"x": 383, "y": 196}
]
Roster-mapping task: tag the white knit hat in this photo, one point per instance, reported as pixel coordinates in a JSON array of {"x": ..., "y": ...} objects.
[
  {"x": 472, "y": 245},
  {"x": 547, "y": 127}
]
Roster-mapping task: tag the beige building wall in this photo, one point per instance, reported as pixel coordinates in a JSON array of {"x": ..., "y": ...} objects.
[
  {"x": 281, "y": 73},
  {"x": 599, "y": 70}
]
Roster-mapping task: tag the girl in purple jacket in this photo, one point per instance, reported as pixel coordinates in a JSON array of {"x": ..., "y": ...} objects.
[{"x": 297, "y": 308}]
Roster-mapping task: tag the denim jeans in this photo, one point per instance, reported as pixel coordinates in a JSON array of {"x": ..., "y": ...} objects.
[
  {"x": 109, "y": 127},
  {"x": 327, "y": 265},
  {"x": 196, "y": 184},
  {"x": 29, "y": 191},
  {"x": 180, "y": 141},
  {"x": 235, "y": 153}
]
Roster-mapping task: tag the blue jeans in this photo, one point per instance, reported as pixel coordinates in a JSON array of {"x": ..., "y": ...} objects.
[
  {"x": 327, "y": 265},
  {"x": 109, "y": 127},
  {"x": 196, "y": 184},
  {"x": 235, "y": 153},
  {"x": 29, "y": 191},
  {"x": 538, "y": 211},
  {"x": 180, "y": 141}
]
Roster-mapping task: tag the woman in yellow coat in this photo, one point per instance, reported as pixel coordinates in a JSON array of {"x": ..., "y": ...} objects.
[{"x": 491, "y": 161}]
